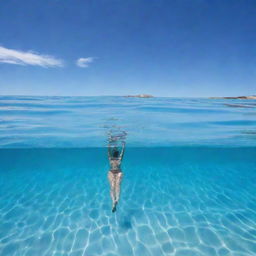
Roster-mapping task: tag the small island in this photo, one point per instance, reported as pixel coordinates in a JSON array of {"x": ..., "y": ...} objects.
[
  {"x": 252, "y": 97},
  {"x": 140, "y": 96}
]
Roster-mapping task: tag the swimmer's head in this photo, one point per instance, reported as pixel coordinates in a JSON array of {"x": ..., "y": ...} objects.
[{"x": 115, "y": 153}]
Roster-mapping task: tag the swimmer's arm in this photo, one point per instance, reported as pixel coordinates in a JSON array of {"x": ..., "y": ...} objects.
[
  {"x": 109, "y": 152},
  {"x": 122, "y": 152}
]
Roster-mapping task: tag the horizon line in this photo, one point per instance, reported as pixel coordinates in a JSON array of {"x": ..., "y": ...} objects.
[{"x": 107, "y": 95}]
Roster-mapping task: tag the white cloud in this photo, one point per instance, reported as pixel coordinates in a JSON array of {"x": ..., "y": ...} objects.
[
  {"x": 28, "y": 58},
  {"x": 84, "y": 62}
]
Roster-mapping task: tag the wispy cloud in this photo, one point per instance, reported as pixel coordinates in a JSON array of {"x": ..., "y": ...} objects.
[
  {"x": 84, "y": 62},
  {"x": 28, "y": 58}
]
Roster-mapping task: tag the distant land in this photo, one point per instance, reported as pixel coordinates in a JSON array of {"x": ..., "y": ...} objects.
[
  {"x": 252, "y": 97},
  {"x": 140, "y": 96}
]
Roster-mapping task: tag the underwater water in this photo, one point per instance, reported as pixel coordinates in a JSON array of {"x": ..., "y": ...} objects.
[{"x": 188, "y": 187}]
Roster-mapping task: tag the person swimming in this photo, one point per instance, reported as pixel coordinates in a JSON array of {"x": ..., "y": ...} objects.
[{"x": 115, "y": 174}]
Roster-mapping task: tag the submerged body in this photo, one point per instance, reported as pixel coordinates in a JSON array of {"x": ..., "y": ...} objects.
[{"x": 115, "y": 174}]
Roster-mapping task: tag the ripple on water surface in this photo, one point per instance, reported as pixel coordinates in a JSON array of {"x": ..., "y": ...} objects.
[{"x": 83, "y": 121}]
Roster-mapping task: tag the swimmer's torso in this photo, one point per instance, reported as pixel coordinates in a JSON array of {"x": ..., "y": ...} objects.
[{"x": 115, "y": 165}]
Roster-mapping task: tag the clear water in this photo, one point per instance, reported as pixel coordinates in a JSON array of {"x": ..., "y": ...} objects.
[
  {"x": 84, "y": 121},
  {"x": 188, "y": 187}
]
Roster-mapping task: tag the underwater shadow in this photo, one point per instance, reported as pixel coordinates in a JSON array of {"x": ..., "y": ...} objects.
[{"x": 126, "y": 221}]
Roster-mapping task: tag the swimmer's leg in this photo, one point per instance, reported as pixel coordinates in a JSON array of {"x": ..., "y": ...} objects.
[
  {"x": 114, "y": 207},
  {"x": 119, "y": 177},
  {"x": 111, "y": 178}
]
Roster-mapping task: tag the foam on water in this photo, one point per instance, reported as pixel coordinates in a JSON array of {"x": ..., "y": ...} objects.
[{"x": 174, "y": 201}]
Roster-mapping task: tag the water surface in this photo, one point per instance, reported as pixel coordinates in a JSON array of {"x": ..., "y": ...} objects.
[{"x": 84, "y": 121}]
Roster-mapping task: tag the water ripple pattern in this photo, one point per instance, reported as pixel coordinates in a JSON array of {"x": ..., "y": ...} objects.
[
  {"x": 189, "y": 177},
  {"x": 28, "y": 122},
  {"x": 175, "y": 202}
]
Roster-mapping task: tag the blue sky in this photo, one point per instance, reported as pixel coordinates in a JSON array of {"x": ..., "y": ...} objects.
[{"x": 114, "y": 47}]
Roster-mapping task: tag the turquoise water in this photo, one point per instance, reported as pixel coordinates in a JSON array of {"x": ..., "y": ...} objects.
[
  {"x": 188, "y": 187},
  {"x": 27, "y": 121}
]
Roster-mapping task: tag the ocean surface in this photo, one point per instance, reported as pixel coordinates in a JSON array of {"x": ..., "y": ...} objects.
[{"x": 189, "y": 184}]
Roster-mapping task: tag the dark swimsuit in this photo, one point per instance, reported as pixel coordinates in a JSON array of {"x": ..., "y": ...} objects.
[{"x": 115, "y": 171}]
